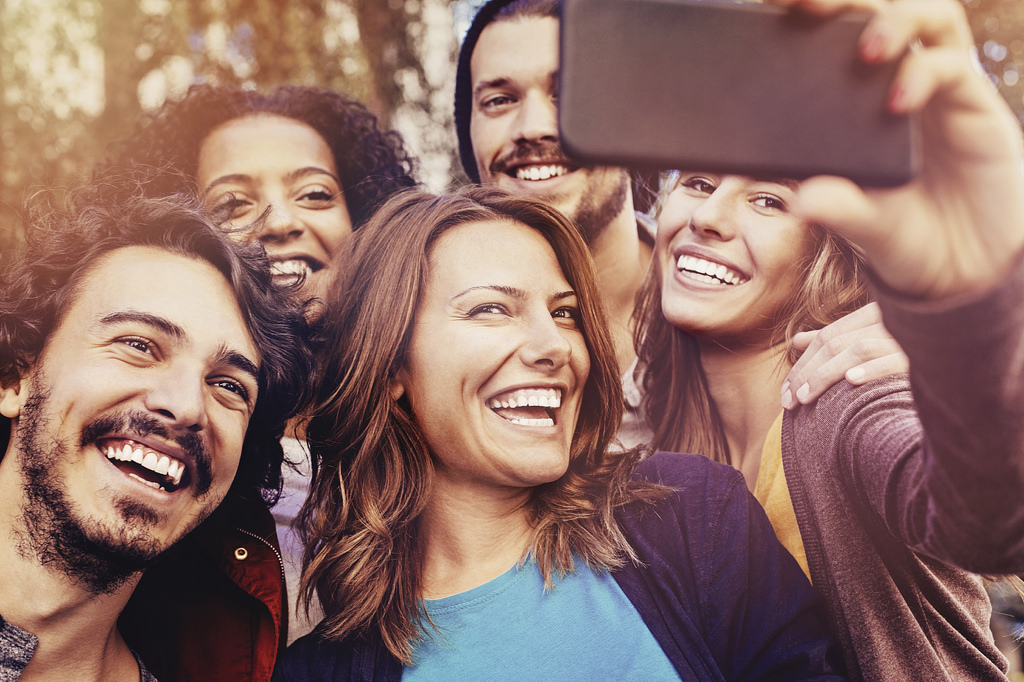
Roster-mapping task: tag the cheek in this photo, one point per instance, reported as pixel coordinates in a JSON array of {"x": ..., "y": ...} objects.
[
  {"x": 581, "y": 361},
  {"x": 228, "y": 445},
  {"x": 484, "y": 136},
  {"x": 334, "y": 228}
]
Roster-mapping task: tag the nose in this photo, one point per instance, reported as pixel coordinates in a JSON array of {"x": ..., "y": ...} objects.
[
  {"x": 179, "y": 401},
  {"x": 279, "y": 224},
  {"x": 537, "y": 118},
  {"x": 716, "y": 216},
  {"x": 545, "y": 346}
]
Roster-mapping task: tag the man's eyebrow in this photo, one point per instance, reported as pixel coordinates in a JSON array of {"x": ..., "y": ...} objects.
[
  {"x": 499, "y": 82},
  {"x": 239, "y": 362},
  {"x": 155, "y": 321},
  {"x": 225, "y": 355}
]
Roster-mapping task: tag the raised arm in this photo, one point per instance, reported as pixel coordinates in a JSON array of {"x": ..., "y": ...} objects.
[{"x": 945, "y": 253}]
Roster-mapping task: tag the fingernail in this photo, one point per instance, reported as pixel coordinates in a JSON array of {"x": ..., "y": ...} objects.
[
  {"x": 803, "y": 392},
  {"x": 872, "y": 48},
  {"x": 898, "y": 99},
  {"x": 856, "y": 375},
  {"x": 787, "y": 399}
]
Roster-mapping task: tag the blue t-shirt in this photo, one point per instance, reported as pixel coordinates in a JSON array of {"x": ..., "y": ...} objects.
[{"x": 510, "y": 628}]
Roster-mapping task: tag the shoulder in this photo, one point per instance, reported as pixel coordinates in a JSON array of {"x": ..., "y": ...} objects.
[
  {"x": 313, "y": 657},
  {"x": 705, "y": 497},
  {"x": 848, "y": 417},
  {"x": 845, "y": 399},
  {"x": 688, "y": 473}
]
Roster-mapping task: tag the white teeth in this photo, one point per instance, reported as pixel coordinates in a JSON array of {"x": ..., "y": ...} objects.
[
  {"x": 714, "y": 272},
  {"x": 532, "y": 397},
  {"x": 290, "y": 267},
  {"x": 175, "y": 470},
  {"x": 540, "y": 172},
  {"x": 548, "y": 421},
  {"x": 151, "y": 484},
  {"x": 157, "y": 463}
]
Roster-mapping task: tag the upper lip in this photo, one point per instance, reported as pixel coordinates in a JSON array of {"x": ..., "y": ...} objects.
[{"x": 157, "y": 445}]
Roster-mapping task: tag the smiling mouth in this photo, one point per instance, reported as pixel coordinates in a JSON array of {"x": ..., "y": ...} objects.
[
  {"x": 294, "y": 267},
  {"x": 539, "y": 171},
  {"x": 528, "y": 406},
  {"x": 708, "y": 271},
  {"x": 158, "y": 471}
]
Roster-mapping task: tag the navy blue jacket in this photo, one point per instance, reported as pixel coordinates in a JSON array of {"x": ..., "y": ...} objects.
[{"x": 723, "y": 599}]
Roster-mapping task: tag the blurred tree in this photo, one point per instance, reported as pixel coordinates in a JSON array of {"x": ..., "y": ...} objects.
[
  {"x": 75, "y": 74},
  {"x": 999, "y": 34}
]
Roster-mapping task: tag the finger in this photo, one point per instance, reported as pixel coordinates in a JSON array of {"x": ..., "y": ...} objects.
[
  {"x": 826, "y": 7},
  {"x": 926, "y": 74},
  {"x": 844, "y": 208},
  {"x": 863, "y": 361},
  {"x": 801, "y": 340},
  {"x": 894, "y": 363},
  {"x": 821, "y": 345}
]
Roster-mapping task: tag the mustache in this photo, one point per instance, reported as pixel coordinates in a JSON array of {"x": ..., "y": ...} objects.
[
  {"x": 136, "y": 423},
  {"x": 528, "y": 149}
]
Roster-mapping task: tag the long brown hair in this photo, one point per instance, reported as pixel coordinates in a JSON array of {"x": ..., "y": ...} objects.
[
  {"x": 677, "y": 404},
  {"x": 374, "y": 467}
]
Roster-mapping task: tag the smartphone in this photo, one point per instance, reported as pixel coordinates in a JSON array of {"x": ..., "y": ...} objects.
[{"x": 727, "y": 87}]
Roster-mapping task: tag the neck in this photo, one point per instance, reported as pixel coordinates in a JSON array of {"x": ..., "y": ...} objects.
[
  {"x": 76, "y": 629},
  {"x": 745, "y": 386},
  {"x": 471, "y": 537},
  {"x": 621, "y": 260}
]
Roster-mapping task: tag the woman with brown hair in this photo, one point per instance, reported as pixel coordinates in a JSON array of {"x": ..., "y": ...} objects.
[
  {"x": 467, "y": 518},
  {"x": 892, "y": 495}
]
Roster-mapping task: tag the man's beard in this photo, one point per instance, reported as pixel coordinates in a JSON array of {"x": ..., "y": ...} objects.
[
  {"x": 595, "y": 210},
  {"x": 98, "y": 558}
]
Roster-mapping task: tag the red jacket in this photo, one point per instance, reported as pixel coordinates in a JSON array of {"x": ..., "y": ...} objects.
[{"x": 213, "y": 607}]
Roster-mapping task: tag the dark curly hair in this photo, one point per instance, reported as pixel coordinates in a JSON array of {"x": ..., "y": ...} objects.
[
  {"x": 39, "y": 284},
  {"x": 372, "y": 163}
]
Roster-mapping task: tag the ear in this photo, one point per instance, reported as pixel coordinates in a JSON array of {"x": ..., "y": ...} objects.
[
  {"x": 398, "y": 385},
  {"x": 12, "y": 398}
]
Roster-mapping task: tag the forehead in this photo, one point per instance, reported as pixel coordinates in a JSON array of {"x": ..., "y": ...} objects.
[
  {"x": 252, "y": 142},
  {"x": 186, "y": 292},
  {"x": 493, "y": 253},
  {"x": 519, "y": 49}
]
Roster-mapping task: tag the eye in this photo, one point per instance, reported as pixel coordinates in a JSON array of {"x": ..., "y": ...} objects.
[
  {"x": 488, "y": 309},
  {"x": 698, "y": 184},
  {"x": 231, "y": 386},
  {"x": 139, "y": 344},
  {"x": 232, "y": 206},
  {"x": 496, "y": 102},
  {"x": 317, "y": 196},
  {"x": 769, "y": 201},
  {"x": 567, "y": 314}
]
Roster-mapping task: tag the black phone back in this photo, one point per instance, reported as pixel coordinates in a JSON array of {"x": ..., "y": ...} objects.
[{"x": 726, "y": 87}]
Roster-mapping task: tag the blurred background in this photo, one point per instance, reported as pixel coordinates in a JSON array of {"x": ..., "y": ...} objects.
[{"x": 75, "y": 74}]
